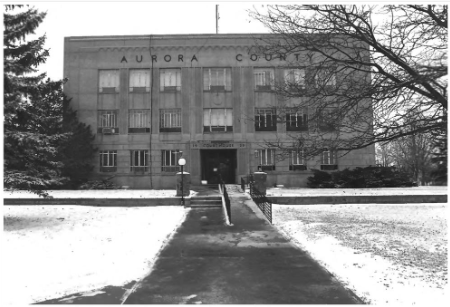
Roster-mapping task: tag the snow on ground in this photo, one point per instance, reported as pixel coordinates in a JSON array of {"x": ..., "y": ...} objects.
[
  {"x": 96, "y": 194},
  {"x": 387, "y": 254},
  {"x": 52, "y": 251},
  {"x": 422, "y": 190}
]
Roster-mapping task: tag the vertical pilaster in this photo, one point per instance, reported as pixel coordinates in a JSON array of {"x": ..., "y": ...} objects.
[{"x": 123, "y": 102}]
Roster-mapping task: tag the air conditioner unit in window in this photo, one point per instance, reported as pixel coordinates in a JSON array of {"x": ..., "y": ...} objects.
[{"x": 108, "y": 130}]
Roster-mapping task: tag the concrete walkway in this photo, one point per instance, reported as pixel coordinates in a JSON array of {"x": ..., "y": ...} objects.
[{"x": 208, "y": 262}]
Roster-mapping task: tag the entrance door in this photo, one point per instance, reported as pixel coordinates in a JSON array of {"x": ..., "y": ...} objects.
[{"x": 217, "y": 164}]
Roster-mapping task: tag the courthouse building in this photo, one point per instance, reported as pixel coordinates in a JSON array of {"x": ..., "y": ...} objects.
[{"x": 148, "y": 98}]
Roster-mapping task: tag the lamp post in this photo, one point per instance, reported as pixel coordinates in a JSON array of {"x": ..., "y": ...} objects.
[{"x": 182, "y": 162}]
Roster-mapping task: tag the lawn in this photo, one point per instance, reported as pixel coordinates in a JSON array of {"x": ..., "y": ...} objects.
[
  {"x": 52, "y": 251},
  {"x": 387, "y": 254}
]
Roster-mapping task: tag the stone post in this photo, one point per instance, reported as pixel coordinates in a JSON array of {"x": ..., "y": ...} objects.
[
  {"x": 186, "y": 183},
  {"x": 260, "y": 179}
]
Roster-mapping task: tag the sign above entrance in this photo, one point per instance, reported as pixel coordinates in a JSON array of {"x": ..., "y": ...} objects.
[{"x": 218, "y": 144}]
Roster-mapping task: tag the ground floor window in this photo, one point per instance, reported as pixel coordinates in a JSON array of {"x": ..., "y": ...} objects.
[
  {"x": 266, "y": 159},
  {"x": 329, "y": 159},
  {"x": 169, "y": 161},
  {"x": 108, "y": 160},
  {"x": 139, "y": 160},
  {"x": 170, "y": 120},
  {"x": 297, "y": 160}
]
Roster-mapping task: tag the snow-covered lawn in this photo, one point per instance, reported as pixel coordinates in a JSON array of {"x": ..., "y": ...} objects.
[
  {"x": 387, "y": 254},
  {"x": 52, "y": 251}
]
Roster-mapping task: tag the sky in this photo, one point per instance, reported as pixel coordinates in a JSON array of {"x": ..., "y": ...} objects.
[{"x": 137, "y": 18}]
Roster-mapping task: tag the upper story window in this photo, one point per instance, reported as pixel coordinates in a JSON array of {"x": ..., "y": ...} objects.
[
  {"x": 325, "y": 78},
  {"x": 217, "y": 120},
  {"x": 170, "y": 120},
  {"x": 217, "y": 79},
  {"x": 294, "y": 79},
  {"x": 297, "y": 120},
  {"x": 139, "y": 80},
  {"x": 109, "y": 81},
  {"x": 170, "y": 80},
  {"x": 328, "y": 119},
  {"x": 266, "y": 159},
  {"x": 263, "y": 79},
  {"x": 297, "y": 160},
  {"x": 107, "y": 122},
  {"x": 108, "y": 160},
  {"x": 265, "y": 119},
  {"x": 169, "y": 160},
  {"x": 138, "y": 121},
  {"x": 329, "y": 159}
]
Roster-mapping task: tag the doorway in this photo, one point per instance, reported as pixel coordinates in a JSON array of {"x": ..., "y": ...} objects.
[{"x": 217, "y": 164}]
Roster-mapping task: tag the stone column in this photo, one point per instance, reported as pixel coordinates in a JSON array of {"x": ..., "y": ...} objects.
[
  {"x": 186, "y": 184},
  {"x": 260, "y": 179}
]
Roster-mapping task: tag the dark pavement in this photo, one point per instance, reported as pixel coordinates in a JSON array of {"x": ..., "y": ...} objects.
[{"x": 250, "y": 262}]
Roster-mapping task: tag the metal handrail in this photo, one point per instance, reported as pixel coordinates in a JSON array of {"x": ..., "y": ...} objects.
[
  {"x": 227, "y": 200},
  {"x": 261, "y": 201}
]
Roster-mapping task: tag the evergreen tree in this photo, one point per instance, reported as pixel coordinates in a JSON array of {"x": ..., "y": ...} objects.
[
  {"x": 77, "y": 151},
  {"x": 35, "y": 137}
]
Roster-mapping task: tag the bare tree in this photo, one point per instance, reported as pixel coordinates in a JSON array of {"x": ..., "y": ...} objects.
[
  {"x": 366, "y": 70},
  {"x": 383, "y": 155}
]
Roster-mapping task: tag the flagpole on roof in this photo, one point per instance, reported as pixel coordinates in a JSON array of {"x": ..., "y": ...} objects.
[{"x": 217, "y": 19}]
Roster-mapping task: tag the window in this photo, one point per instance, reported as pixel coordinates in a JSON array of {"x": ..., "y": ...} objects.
[
  {"x": 170, "y": 80},
  {"x": 107, "y": 122},
  {"x": 265, "y": 120},
  {"x": 266, "y": 159},
  {"x": 217, "y": 79},
  {"x": 325, "y": 78},
  {"x": 328, "y": 119},
  {"x": 169, "y": 161},
  {"x": 109, "y": 81},
  {"x": 217, "y": 120},
  {"x": 329, "y": 160},
  {"x": 297, "y": 160},
  {"x": 140, "y": 80},
  {"x": 139, "y": 161},
  {"x": 294, "y": 79},
  {"x": 263, "y": 79},
  {"x": 138, "y": 121},
  {"x": 108, "y": 160},
  {"x": 170, "y": 120},
  {"x": 297, "y": 120}
]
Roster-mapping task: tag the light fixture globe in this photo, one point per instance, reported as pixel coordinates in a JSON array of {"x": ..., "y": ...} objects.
[{"x": 181, "y": 161}]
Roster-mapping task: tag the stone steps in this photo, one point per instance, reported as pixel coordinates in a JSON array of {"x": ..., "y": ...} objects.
[{"x": 206, "y": 201}]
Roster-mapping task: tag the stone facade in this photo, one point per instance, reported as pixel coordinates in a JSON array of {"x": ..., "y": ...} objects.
[{"x": 174, "y": 93}]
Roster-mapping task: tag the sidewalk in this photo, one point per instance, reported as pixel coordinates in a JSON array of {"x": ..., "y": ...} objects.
[{"x": 249, "y": 263}]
